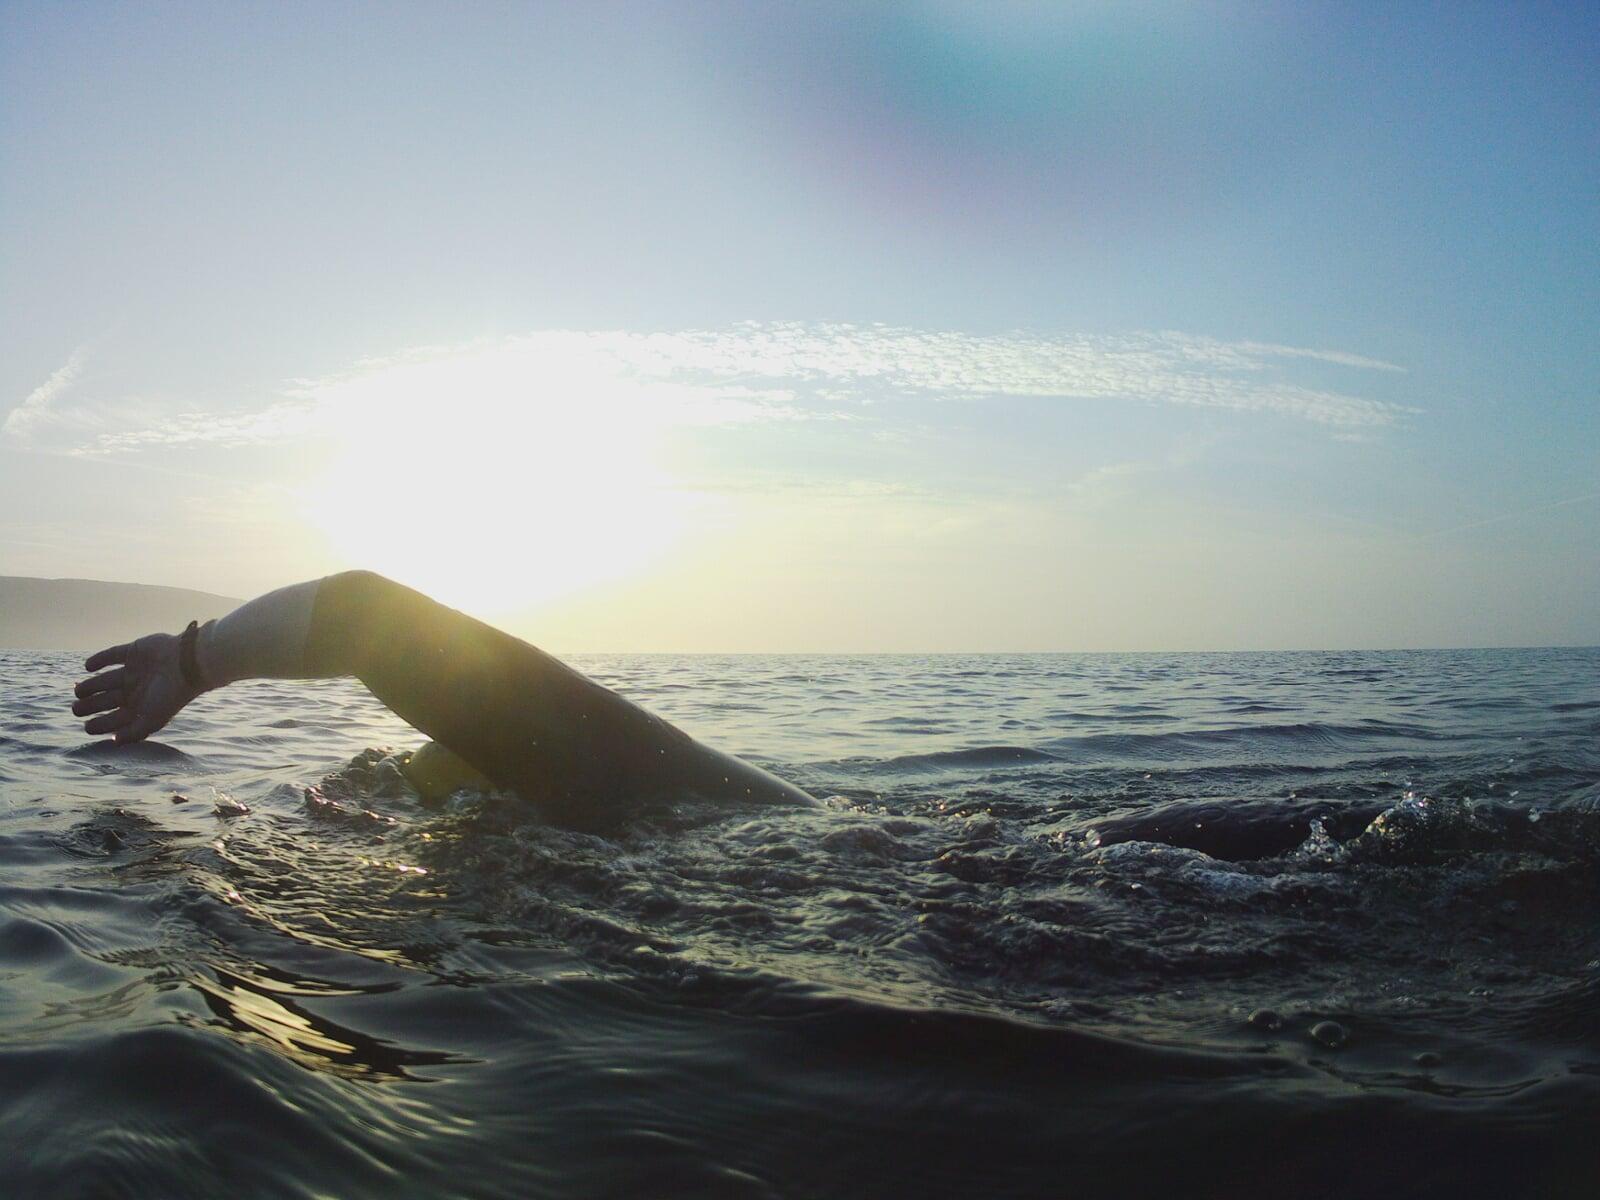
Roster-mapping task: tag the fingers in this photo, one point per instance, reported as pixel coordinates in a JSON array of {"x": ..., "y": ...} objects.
[
  {"x": 112, "y": 654},
  {"x": 105, "y": 681},
  {"x": 110, "y": 723},
  {"x": 98, "y": 702}
]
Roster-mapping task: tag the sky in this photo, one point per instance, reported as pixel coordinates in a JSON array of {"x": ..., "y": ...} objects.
[{"x": 769, "y": 327}]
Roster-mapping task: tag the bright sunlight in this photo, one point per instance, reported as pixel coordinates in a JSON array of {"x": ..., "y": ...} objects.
[{"x": 496, "y": 477}]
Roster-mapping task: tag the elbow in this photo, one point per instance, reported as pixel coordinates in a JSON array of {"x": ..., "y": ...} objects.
[
  {"x": 357, "y": 580},
  {"x": 352, "y": 594},
  {"x": 346, "y": 621}
]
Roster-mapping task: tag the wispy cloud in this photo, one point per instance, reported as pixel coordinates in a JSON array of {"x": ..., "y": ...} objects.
[
  {"x": 874, "y": 361},
  {"x": 38, "y": 407},
  {"x": 280, "y": 421},
  {"x": 1338, "y": 357},
  {"x": 744, "y": 374}
]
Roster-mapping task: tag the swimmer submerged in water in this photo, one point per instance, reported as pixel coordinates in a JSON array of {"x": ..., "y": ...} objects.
[{"x": 503, "y": 711}]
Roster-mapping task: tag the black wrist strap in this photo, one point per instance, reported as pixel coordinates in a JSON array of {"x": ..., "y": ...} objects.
[{"x": 187, "y": 663}]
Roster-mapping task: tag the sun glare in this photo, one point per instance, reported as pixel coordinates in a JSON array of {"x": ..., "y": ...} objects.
[{"x": 495, "y": 480}]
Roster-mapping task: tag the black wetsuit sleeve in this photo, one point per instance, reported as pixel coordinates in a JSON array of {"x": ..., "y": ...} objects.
[{"x": 521, "y": 717}]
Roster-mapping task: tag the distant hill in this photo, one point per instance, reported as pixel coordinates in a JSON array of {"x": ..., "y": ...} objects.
[{"x": 88, "y": 614}]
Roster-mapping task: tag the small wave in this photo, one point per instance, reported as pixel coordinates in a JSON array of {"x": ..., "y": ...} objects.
[
  {"x": 110, "y": 1083},
  {"x": 976, "y": 756},
  {"x": 1416, "y": 830},
  {"x": 135, "y": 752},
  {"x": 1255, "y": 738},
  {"x": 1423, "y": 830},
  {"x": 1235, "y": 830}
]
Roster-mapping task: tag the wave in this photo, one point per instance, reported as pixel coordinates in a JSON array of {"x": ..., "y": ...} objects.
[
  {"x": 146, "y": 752},
  {"x": 994, "y": 961},
  {"x": 1416, "y": 830},
  {"x": 975, "y": 756},
  {"x": 152, "y": 1136},
  {"x": 1302, "y": 735},
  {"x": 1237, "y": 830},
  {"x": 1242, "y": 741}
]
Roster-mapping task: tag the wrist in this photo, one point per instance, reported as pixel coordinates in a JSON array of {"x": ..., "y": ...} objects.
[
  {"x": 187, "y": 667},
  {"x": 201, "y": 668}
]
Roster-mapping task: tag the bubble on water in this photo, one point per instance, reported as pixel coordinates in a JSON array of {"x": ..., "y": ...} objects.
[{"x": 1330, "y": 1034}]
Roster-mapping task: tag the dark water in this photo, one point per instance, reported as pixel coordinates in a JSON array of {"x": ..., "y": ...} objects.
[{"x": 1017, "y": 953}]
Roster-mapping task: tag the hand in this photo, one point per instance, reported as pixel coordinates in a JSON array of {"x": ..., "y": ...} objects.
[{"x": 137, "y": 697}]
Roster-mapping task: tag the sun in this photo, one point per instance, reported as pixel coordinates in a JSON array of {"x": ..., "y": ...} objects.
[{"x": 495, "y": 480}]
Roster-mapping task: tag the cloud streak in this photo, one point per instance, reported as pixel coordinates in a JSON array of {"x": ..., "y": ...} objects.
[
  {"x": 740, "y": 374},
  {"x": 1156, "y": 368},
  {"x": 38, "y": 407},
  {"x": 1514, "y": 515}
]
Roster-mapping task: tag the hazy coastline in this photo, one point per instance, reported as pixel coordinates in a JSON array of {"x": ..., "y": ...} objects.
[{"x": 85, "y": 614}]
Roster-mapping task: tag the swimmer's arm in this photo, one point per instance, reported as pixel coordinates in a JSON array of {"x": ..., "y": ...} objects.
[
  {"x": 145, "y": 687},
  {"x": 510, "y": 711}
]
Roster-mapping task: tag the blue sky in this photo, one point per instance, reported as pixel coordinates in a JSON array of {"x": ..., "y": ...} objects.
[{"x": 895, "y": 327}]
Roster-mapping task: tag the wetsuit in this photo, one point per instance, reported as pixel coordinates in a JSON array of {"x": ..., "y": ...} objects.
[
  {"x": 526, "y": 720},
  {"x": 518, "y": 716}
]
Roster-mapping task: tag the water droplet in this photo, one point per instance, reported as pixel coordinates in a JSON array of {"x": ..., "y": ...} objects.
[{"x": 1265, "y": 1019}]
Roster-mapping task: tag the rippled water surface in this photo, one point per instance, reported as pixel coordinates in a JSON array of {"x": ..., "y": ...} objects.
[{"x": 1307, "y": 924}]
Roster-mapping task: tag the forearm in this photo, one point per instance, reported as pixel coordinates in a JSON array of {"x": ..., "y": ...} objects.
[{"x": 263, "y": 639}]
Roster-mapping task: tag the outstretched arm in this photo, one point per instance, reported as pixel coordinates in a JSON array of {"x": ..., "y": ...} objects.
[{"x": 520, "y": 717}]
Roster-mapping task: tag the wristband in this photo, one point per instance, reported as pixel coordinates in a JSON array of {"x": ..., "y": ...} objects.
[{"x": 187, "y": 666}]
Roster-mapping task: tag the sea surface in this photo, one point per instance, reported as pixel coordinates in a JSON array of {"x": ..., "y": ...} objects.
[{"x": 1066, "y": 925}]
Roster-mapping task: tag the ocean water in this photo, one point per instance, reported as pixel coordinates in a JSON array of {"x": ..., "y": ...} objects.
[{"x": 1238, "y": 924}]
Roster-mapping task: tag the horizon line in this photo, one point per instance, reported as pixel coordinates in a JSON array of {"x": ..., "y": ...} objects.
[{"x": 561, "y": 650}]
